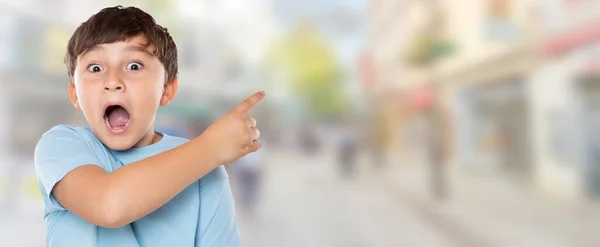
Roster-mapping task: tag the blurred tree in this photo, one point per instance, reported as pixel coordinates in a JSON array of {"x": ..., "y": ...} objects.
[
  {"x": 424, "y": 49},
  {"x": 312, "y": 70},
  {"x": 430, "y": 43},
  {"x": 164, "y": 12},
  {"x": 54, "y": 48}
]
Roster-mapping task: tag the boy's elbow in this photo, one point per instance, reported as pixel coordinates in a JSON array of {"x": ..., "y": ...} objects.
[
  {"x": 111, "y": 220},
  {"x": 111, "y": 215}
]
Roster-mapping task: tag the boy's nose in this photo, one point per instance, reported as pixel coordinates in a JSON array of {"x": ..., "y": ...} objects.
[
  {"x": 114, "y": 86},
  {"x": 113, "y": 82}
]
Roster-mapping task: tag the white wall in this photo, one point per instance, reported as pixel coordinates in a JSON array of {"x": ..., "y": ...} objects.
[{"x": 555, "y": 133}]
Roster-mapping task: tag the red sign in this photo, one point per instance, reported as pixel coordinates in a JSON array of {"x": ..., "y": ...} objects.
[
  {"x": 421, "y": 97},
  {"x": 572, "y": 39},
  {"x": 367, "y": 70}
]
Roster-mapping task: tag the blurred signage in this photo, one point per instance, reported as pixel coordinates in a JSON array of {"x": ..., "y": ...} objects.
[
  {"x": 498, "y": 25},
  {"x": 421, "y": 97},
  {"x": 571, "y": 39},
  {"x": 367, "y": 71},
  {"x": 500, "y": 30},
  {"x": 426, "y": 48},
  {"x": 567, "y": 24}
]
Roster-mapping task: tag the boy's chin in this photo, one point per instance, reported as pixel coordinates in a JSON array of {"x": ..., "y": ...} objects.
[
  {"x": 118, "y": 143},
  {"x": 118, "y": 146}
]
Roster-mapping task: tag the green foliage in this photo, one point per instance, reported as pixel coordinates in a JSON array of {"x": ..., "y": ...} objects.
[{"x": 312, "y": 71}]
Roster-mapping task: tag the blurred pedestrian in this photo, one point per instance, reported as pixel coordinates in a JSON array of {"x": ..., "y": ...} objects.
[
  {"x": 347, "y": 151},
  {"x": 437, "y": 143},
  {"x": 249, "y": 176},
  {"x": 308, "y": 139}
]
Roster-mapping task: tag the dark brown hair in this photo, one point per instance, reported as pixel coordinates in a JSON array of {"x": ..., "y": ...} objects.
[{"x": 117, "y": 23}]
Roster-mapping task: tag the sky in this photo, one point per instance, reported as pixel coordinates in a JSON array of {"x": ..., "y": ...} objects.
[{"x": 343, "y": 22}]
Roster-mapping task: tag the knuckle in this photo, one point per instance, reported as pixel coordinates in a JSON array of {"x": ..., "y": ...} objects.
[{"x": 240, "y": 121}]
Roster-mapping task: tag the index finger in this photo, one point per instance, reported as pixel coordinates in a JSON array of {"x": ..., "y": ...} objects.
[{"x": 244, "y": 107}]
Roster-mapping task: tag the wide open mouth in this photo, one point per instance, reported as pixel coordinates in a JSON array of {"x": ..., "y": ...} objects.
[{"x": 116, "y": 117}]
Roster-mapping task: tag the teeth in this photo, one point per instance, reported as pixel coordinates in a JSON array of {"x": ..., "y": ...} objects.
[
  {"x": 115, "y": 128},
  {"x": 107, "y": 122}
]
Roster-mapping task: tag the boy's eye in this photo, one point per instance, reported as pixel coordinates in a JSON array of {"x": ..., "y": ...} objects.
[
  {"x": 94, "y": 68},
  {"x": 134, "y": 66}
]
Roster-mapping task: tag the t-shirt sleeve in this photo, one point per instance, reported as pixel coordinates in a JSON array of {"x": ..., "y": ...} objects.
[
  {"x": 218, "y": 223},
  {"x": 59, "y": 151}
]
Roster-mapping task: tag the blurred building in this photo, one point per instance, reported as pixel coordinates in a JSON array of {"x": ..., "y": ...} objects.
[
  {"x": 486, "y": 82},
  {"x": 481, "y": 56},
  {"x": 520, "y": 79},
  {"x": 33, "y": 78},
  {"x": 565, "y": 92},
  {"x": 383, "y": 72}
]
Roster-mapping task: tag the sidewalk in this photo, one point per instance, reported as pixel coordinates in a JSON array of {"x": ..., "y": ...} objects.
[{"x": 490, "y": 210}]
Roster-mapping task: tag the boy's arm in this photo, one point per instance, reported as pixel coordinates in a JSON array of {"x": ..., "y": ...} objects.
[
  {"x": 118, "y": 198},
  {"x": 133, "y": 191}
]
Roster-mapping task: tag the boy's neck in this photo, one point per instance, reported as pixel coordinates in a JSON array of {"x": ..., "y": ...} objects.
[{"x": 148, "y": 139}]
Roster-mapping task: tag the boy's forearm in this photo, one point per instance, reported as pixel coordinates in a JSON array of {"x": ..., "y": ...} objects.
[{"x": 142, "y": 187}]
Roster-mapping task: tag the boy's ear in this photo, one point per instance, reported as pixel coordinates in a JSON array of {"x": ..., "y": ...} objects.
[
  {"x": 73, "y": 95},
  {"x": 169, "y": 92}
]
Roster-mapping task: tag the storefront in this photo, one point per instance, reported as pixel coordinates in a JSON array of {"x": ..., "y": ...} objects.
[
  {"x": 496, "y": 127},
  {"x": 588, "y": 86},
  {"x": 491, "y": 112},
  {"x": 566, "y": 89},
  {"x": 568, "y": 119}
]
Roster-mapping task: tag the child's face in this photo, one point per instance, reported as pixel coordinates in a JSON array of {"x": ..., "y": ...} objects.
[{"x": 119, "y": 87}]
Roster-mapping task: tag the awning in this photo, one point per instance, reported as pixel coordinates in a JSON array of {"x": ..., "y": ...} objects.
[{"x": 571, "y": 39}]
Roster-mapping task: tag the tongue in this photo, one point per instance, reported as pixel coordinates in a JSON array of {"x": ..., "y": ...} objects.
[{"x": 118, "y": 117}]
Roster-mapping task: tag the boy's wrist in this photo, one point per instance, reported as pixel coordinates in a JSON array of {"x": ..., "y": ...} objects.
[{"x": 205, "y": 151}]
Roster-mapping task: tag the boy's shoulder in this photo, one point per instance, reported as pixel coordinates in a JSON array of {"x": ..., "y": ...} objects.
[
  {"x": 68, "y": 128},
  {"x": 65, "y": 136},
  {"x": 79, "y": 133},
  {"x": 67, "y": 131}
]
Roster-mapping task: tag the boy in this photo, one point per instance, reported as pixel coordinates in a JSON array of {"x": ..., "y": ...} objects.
[{"x": 117, "y": 182}]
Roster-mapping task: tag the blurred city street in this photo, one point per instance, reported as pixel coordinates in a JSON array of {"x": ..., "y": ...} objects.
[
  {"x": 486, "y": 210},
  {"x": 394, "y": 207},
  {"x": 386, "y": 122},
  {"x": 306, "y": 202},
  {"x": 306, "y": 208}
]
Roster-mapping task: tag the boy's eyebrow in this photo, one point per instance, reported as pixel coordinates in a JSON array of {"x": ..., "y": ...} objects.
[
  {"x": 135, "y": 48},
  {"x": 138, "y": 48},
  {"x": 94, "y": 48}
]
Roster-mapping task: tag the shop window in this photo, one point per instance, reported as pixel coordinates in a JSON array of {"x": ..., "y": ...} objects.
[
  {"x": 498, "y": 24},
  {"x": 498, "y": 9}
]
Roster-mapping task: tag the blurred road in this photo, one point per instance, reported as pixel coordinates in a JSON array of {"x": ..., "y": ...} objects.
[
  {"x": 306, "y": 203},
  {"x": 22, "y": 228},
  {"x": 488, "y": 209}
]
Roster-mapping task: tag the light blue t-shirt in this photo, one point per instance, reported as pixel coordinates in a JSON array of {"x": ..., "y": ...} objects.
[{"x": 201, "y": 215}]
